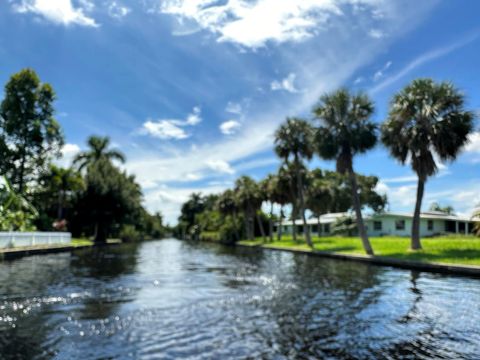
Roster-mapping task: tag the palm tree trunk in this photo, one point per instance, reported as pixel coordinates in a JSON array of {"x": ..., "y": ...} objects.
[
  {"x": 306, "y": 228},
  {"x": 237, "y": 235},
  {"x": 294, "y": 228},
  {"x": 358, "y": 212},
  {"x": 262, "y": 230},
  {"x": 416, "y": 244},
  {"x": 270, "y": 222},
  {"x": 60, "y": 206},
  {"x": 319, "y": 227},
  {"x": 280, "y": 225}
]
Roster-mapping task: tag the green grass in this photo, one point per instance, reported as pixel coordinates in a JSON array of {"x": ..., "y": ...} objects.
[
  {"x": 463, "y": 250},
  {"x": 81, "y": 242}
]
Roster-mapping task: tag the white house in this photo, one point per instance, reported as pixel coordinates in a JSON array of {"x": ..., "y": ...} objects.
[{"x": 388, "y": 223}]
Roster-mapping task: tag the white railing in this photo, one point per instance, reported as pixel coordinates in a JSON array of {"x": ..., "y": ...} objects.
[{"x": 16, "y": 239}]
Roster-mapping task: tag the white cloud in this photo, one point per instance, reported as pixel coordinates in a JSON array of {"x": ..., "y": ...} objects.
[
  {"x": 68, "y": 152},
  {"x": 286, "y": 84},
  {"x": 58, "y": 11},
  {"x": 164, "y": 129},
  {"x": 233, "y": 108},
  {"x": 253, "y": 23},
  {"x": 171, "y": 128},
  {"x": 229, "y": 127},
  {"x": 380, "y": 73},
  {"x": 473, "y": 145},
  {"x": 220, "y": 166},
  {"x": 117, "y": 10},
  {"x": 376, "y": 33},
  {"x": 194, "y": 118}
]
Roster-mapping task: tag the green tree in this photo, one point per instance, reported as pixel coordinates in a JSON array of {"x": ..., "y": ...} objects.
[
  {"x": 98, "y": 150},
  {"x": 250, "y": 201},
  {"x": 320, "y": 194},
  {"x": 112, "y": 199},
  {"x": 227, "y": 206},
  {"x": 294, "y": 143},
  {"x": 427, "y": 120},
  {"x": 190, "y": 209},
  {"x": 16, "y": 212},
  {"x": 445, "y": 209},
  {"x": 283, "y": 195},
  {"x": 57, "y": 187},
  {"x": 29, "y": 134},
  {"x": 346, "y": 130},
  {"x": 269, "y": 187}
]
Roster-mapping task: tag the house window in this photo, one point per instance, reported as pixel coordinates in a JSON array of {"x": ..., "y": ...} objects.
[
  {"x": 327, "y": 228},
  {"x": 300, "y": 229},
  {"x": 430, "y": 225},
  {"x": 400, "y": 225},
  {"x": 377, "y": 225},
  {"x": 315, "y": 228}
]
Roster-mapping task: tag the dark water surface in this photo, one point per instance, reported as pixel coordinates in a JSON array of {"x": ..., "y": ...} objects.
[{"x": 174, "y": 300}]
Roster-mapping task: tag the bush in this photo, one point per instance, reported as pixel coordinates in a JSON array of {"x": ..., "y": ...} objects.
[{"x": 128, "y": 233}]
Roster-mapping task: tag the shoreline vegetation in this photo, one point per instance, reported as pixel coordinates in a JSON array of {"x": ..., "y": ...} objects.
[{"x": 457, "y": 250}]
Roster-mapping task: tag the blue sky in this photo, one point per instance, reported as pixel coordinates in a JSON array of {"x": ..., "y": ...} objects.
[{"x": 192, "y": 91}]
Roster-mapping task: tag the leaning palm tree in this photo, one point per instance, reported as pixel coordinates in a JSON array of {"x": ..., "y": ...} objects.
[
  {"x": 294, "y": 143},
  {"x": 98, "y": 150},
  {"x": 345, "y": 131},
  {"x": 426, "y": 121}
]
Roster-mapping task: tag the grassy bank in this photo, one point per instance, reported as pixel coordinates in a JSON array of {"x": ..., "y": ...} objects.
[{"x": 461, "y": 250}]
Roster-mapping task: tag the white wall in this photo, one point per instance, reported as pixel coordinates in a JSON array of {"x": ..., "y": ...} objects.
[{"x": 16, "y": 239}]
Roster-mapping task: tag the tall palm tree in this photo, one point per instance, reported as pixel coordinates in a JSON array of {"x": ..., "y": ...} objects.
[
  {"x": 345, "y": 131},
  {"x": 98, "y": 150},
  {"x": 227, "y": 206},
  {"x": 247, "y": 197},
  {"x": 294, "y": 143},
  {"x": 426, "y": 121},
  {"x": 282, "y": 195},
  {"x": 269, "y": 187}
]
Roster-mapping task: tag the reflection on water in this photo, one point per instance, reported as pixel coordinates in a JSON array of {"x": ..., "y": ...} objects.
[{"x": 169, "y": 299}]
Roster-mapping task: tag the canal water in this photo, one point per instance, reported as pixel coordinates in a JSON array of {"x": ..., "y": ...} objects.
[{"x": 176, "y": 300}]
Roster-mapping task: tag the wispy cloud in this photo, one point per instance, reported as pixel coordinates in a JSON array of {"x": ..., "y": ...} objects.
[
  {"x": 68, "y": 152},
  {"x": 229, "y": 127},
  {"x": 171, "y": 128},
  {"x": 57, "y": 11},
  {"x": 117, "y": 10},
  {"x": 381, "y": 73},
  {"x": 286, "y": 84},
  {"x": 424, "y": 59},
  {"x": 233, "y": 108},
  {"x": 220, "y": 166}
]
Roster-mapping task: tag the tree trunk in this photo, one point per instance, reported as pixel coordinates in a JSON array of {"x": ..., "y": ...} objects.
[
  {"x": 237, "y": 235},
  {"x": 358, "y": 212},
  {"x": 319, "y": 227},
  {"x": 262, "y": 230},
  {"x": 280, "y": 226},
  {"x": 294, "y": 228},
  {"x": 60, "y": 206},
  {"x": 416, "y": 244},
  {"x": 306, "y": 228},
  {"x": 100, "y": 236},
  {"x": 22, "y": 174},
  {"x": 270, "y": 223}
]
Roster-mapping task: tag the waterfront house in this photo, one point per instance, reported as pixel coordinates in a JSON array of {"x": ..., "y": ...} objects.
[{"x": 390, "y": 224}]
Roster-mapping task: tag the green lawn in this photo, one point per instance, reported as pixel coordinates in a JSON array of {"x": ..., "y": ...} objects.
[
  {"x": 81, "y": 242},
  {"x": 446, "y": 249}
]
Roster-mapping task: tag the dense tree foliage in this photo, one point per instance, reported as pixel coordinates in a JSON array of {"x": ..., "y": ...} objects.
[{"x": 29, "y": 134}]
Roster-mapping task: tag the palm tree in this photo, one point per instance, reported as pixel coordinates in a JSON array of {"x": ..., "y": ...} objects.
[
  {"x": 282, "y": 195},
  {"x": 294, "y": 143},
  {"x": 320, "y": 195},
  {"x": 227, "y": 206},
  {"x": 426, "y": 121},
  {"x": 269, "y": 187},
  {"x": 247, "y": 198},
  {"x": 345, "y": 131},
  {"x": 98, "y": 150},
  {"x": 59, "y": 182}
]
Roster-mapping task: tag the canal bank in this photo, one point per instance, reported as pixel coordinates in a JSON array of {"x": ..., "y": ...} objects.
[
  {"x": 452, "y": 269},
  {"x": 14, "y": 253}
]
